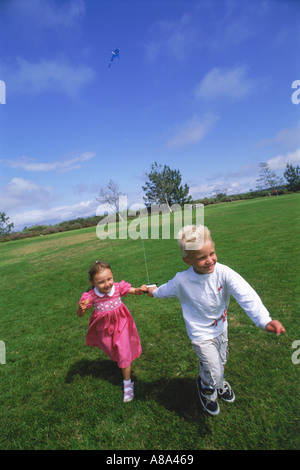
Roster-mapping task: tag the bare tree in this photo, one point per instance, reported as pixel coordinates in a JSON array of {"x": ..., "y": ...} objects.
[
  {"x": 267, "y": 178},
  {"x": 110, "y": 195}
]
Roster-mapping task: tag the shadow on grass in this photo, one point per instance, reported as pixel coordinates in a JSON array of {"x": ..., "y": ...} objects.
[{"x": 177, "y": 395}]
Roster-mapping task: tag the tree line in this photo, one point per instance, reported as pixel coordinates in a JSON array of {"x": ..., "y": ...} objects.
[{"x": 163, "y": 186}]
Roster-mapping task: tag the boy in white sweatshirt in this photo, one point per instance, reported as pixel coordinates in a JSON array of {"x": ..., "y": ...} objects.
[{"x": 204, "y": 292}]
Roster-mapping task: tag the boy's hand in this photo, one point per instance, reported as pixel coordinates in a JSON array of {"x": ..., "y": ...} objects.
[
  {"x": 275, "y": 326},
  {"x": 150, "y": 291}
]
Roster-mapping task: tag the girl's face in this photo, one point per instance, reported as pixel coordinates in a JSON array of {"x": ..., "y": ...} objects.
[
  {"x": 204, "y": 260},
  {"x": 103, "y": 281}
]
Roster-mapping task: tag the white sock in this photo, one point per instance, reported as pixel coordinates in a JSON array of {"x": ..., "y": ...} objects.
[{"x": 126, "y": 382}]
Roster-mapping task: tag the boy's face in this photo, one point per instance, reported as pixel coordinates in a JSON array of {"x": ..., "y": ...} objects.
[
  {"x": 103, "y": 280},
  {"x": 203, "y": 260}
]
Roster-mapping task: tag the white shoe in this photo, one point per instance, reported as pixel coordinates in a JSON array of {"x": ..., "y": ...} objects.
[
  {"x": 226, "y": 393},
  {"x": 128, "y": 392}
]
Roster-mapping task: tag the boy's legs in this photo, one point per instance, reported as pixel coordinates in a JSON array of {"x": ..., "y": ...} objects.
[{"x": 212, "y": 355}]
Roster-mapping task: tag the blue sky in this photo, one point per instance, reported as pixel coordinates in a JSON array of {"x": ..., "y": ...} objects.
[{"x": 202, "y": 86}]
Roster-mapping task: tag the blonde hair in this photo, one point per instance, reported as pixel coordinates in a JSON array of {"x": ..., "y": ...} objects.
[{"x": 192, "y": 237}]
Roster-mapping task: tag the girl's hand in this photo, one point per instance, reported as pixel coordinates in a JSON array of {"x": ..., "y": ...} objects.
[
  {"x": 82, "y": 308},
  {"x": 275, "y": 326},
  {"x": 83, "y": 304},
  {"x": 141, "y": 290}
]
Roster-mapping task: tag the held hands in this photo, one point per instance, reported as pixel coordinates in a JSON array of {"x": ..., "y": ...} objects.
[
  {"x": 144, "y": 289},
  {"x": 141, "y": 290},
  {"x": 275, "y": 326}
]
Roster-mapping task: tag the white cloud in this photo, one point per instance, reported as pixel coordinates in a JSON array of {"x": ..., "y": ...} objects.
[
  {"x": 53, "y": 215},
  {"x": 43, "y": 21},
  {"x": 287, "y": 138},
  {"x": 192, "y": 131},
  {"x": 280, "y": 161},
  {"x": 243, "y": 179},
  {"x": 20, "y": 193},
  {"x": 170, "y": 38},
  {"x": 46, "y": 75},
  {"x": 27, "y": 203},
  {"x": 232, "y": 182},
  {"x": 232, "y": 83},
  {"x": 28, "y": 164},
  {"x": 234, "y": 186},
  {"x": 41, "y": 14}
]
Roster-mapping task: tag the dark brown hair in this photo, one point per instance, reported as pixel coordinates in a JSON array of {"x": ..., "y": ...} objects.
[{"x": 96, "y": 268}]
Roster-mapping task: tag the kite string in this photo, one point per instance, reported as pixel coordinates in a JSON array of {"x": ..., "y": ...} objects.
[{"x": 145, "y": 260}]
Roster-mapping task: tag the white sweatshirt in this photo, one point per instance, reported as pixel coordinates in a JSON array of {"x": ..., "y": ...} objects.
[{"x": 205, "y": 299}]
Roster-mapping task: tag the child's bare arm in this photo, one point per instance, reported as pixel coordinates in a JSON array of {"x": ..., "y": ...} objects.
[
  {"x": 275, "y": 326},
  {"x": 82, "y": 308},
  {"x": 138, "y": 290}
]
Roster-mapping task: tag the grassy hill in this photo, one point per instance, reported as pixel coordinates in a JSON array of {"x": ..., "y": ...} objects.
[{"x": 56, "y": 393}]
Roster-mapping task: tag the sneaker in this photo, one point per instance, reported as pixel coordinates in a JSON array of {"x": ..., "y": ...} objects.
[
  {"x": 128, "y": 392},
  {"x": 226, "y": 393},
  {"x": 208, "y": 398}
]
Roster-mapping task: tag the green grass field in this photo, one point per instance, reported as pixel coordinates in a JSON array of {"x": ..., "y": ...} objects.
[{"x": 56, "y": 393}]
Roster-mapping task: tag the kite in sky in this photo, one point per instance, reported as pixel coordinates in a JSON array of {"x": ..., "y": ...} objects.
[{"x": 115, "y": 53}]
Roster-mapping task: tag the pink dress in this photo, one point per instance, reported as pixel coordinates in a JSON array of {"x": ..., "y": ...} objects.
[{"x": 111, "y": 325}]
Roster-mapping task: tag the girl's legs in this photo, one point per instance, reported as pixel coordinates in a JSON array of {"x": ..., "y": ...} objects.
[
  {"x": 126, "y": 372},
  {"x": 128, "y": 385}
]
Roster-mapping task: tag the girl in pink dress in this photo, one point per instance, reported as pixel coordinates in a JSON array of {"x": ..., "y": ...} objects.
[{"x": 111, "y": 325}]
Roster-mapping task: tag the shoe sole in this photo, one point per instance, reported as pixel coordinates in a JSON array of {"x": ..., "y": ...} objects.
[
  {"x": 127, "y": 400},
  {"x": 213, "y": 413}
]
